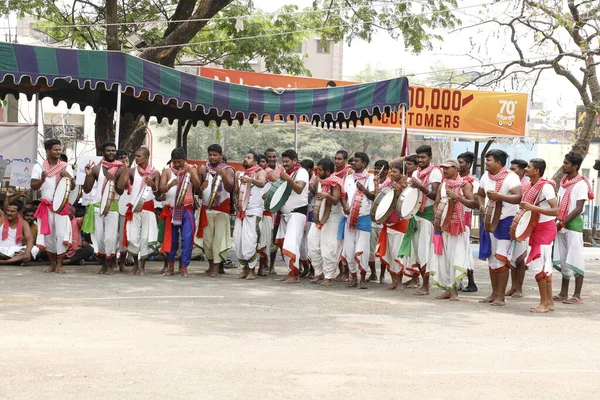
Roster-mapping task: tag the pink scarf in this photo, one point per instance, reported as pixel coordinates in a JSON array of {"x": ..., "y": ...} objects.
[
  {"x": 19, "y": 227},
  {"x": 457, "y": 224},
  {"x": 525, "y": 185},
  {"x": 499, "y": 178},
  {"x": 112, "y": 167},
  {"x": 563, "y": 207},
  {"x": 243, "y": 202},
  {"x": 532, "y": 192},
  {"x": 55, "y": 170},
  {"x": 386, "y": 183},
  {"x": 423, "y": 175},
  {"x": 343, "y": 173}
]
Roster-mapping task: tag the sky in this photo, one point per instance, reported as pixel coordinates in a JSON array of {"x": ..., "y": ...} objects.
[{"x": 382, "y": 52}]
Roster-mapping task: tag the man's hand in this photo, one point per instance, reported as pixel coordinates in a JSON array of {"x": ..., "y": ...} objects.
[
  {"x": 110, "y": 176},
  {"x": 44, "y": 175},
  {"x": 65, "y": 174},
  {"x": 88, "y": 171},
  {"x": 526, "y": 206},
  {"x": 347, "y": 210},
  {"x": 220, "y": 171},
  {"x": 271, "y": 176},
  {"x": 188, "y": 168},
  {"x": 321, "y": 195},
  {"x": 493, "y": 195},
  {"x": 245, "y": 179},
  {"x": 452, "y": 194},
  {"x": 284, "y": 175},
  {"x": 417, "y": 184},
  {"x": 558, "y": 225},
  {"x": 361, "y": 187},
  {"x": 149, "y": 181},
  {"x": 27, "y": 257},
  {"x": 174, "y": 182}
]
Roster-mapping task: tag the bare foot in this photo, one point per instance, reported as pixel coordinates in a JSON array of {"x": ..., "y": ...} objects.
[
  {"x": 163, "y": 270},
  {"x": 317, "y": 278},
  {"x": 251, "y": 276},
  {"x": 60, "y": 270},
  {"x": 392, "y": 286},
  {"x": 381, "y": 279},
  {"x": 362, "y": 284},
  {"x": 52, "y": 269},
  {"x": 353, "y": 283},
  {"x": 454, "y": 298},
  {"x": 372, "y": 277},
  {"x": 291, "y": 279},
  {"x": 559, "y": 297},
  {"x": 542, "y": 308},
  {"x": 102, "y": 270},
  {"x": 510, "y": 292},
  {"x": 242, "y": 275},
  {"x": 327, "y": 282},
  {"x": 183, "y": 271},
  {"x": 488, "y": 299},
  {"x": 412, "y": 284},
  {"x": 422, "y": 292},
  {"x": 551, "y": 307},
  {"x": 110, "y": 271},
  {"x": 498, "y": 302},
  {"x": 444, "y": 296},
  {"x": 573, "y": 300},
  {"x": 142, "y": 271},
  {"x": 134, "y": 271},
  {"x": 272, "y": 271},
  {"x": 517, "y": 294}
]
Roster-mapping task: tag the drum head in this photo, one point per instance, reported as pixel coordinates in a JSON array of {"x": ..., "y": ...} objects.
[
  {"x": 206, "y": 192},
  {"x": 409, "y": 201},
  {"x": 75, "y": 195},
  {"x": 123, "y": 200},
  {"x": 385, "y": 204},
  {"x": 523, "y": 223},
  {"x": 278, "y": 195},
  {"x": 61, "y": 194}
]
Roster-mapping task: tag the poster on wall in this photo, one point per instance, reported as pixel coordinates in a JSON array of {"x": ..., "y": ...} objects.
[
  {"x": 20, "y": 175},
  {"x": 81, "y": 163},
  {"x": 18, "y": 143}
]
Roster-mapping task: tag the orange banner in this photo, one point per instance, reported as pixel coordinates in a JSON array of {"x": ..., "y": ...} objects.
[{"x": 432, "y": 109}]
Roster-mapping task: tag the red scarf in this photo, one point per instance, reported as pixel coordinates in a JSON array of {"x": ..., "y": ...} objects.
[
  {"x": 563, "y": 207},
  {"x": 249, "y": 172},
  {"x": 56, "y": 170},
  {"x": 294, "y": 169},
  {"x": 532, "y": 192},
  {"x": 19, "y": 235},
  {"x": 499, "y": 178},
  {"x": 343, "y": 173},
  {"x": 357, "y": 198},
  {"x": 457, "y": 223},
  {"x": 112, "y": 167},
  {"x": 525, "y": 185},
  {"x": 145, "y": 173},
  {"x": 330, "y": 182},
  {"x": 423, "y": 175}
]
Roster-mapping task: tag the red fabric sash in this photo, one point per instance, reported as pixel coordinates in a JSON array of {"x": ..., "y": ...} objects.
[
  {"x": 386, "y": 183},
  {"x": 563, "y": 207},
  {"x": 457, "y": 223},
  {"x": 330, "y": 182},
  {"x": 19, "y": 227},
  {"x": 224, "y": 207},
  {"x": 42, "y": 211},
  {"x": 294, "y": 169},
  {"x": 542, "y": 234},
  {"x": 112, "y": 167},
  {"x": 167, "y": 215},
  {"x": 343, "y": 173}
]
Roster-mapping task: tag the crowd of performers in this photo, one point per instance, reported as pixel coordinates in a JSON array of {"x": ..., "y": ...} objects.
[{"x": 331, "y": 221}]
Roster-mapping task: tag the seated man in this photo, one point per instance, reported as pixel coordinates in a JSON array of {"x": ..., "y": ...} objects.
[
  {"x": 13, "y": 232},
  {"x": 80, "y": 250}
]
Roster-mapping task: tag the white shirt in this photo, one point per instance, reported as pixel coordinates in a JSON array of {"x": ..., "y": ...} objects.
[
  {"x": 255, "y": 202},
  {"x": 350, "y": 188},
  {"x": 579, "y": 192},
  {"x": 511, "y": 181},
  {"x": 548, "y": 194},
  {"x": 49, "y": 186},
  {"x": 297, "y": 200},
  {"x": 335, "y": 209},
  {"x": 434, "y": 176}
]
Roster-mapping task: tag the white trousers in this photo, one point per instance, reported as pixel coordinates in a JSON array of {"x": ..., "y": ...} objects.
[
  {"x": 142, "y": 234},
  {"x": 357, "y": 248},
  {"x": 246, "y": 233},
  {"x": 59, "y": 239},
  {"x": 106, "y": 233},
  {"x": 323, "y": 247}
]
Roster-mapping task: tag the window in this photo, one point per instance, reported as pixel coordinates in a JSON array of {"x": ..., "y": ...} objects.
[
  {"x": 67, "y": 128},
  {"x": 323, "y": 47}
]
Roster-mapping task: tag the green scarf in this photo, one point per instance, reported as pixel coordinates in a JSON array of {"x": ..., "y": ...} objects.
[
  {"x": 405, "y": 246},
  {"x": 427, "y": 213}
]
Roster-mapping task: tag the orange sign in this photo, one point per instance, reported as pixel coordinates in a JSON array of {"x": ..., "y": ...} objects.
[{"x": 432, "y": 109}]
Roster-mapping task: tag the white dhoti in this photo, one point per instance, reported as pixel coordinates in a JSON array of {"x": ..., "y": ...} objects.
[
  {"x": 357, "y": 249},
  {"x": 421, "y": 245},
  {"x": 389, "y": 258},
  {"x": 470, "y": 262},
  {"x": 142, "y": 234},
  {"x": 324, "y": 248},
  {"x": 504, "y": 256},
  {"x": 450, "y": 267},
  {"x": 568, "y": 253},
  {"x": 59, "y": 239},
  {"x": 7, "y": 252},
  {"x": 541, "y": 267},
  {"x": 105, "y": 233},
  {"x": 266, "y": 235},
  {"x": 375, "y": 232},
  {"x": 289, "y": 238},
  {"x": 246, "y": 234}
]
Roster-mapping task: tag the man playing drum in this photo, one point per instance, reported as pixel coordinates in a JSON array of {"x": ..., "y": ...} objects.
[
  {"x": 451, "y": 248},
  {"x": 427, "y": 179},
  {"x": 406, "y": 250},
  {"x": 176, "y": 183},
  {"x": 267, "y": 248},
  {"x": 342, "y": 170},
  {"x": 218, "y": 181},
  {"x": 517, "y": 273},
  {"x": 141, "y": 230},
  {"x": 504, "y": 188},
  {"x": 323, "y": 244},
  {"x": 14, "y": 230},
  {"x": 381, "y": 170},
  {"x": 541, "y": 199},
  {"x": 293, "y": 214},
  {"x": 392, "y": 232},
  {"x": 465, "y": 162},
  {"x": 54, "y": 234},
  {"x": 574, "y": 190},
  {"x": 250, "y": 205},
  {"x": 359, "y": 188}
]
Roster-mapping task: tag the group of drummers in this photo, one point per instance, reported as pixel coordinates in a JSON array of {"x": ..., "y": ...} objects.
[{"x": 331, "y": 222}]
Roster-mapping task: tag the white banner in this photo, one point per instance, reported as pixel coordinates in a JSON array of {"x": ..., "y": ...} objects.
[
  {"x": 18, "y": 142},
  {"x": 20, "y": 175},
  {"x": 81, "y": 163}
]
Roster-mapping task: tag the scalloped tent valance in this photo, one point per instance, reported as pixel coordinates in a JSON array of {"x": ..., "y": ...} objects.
[{"x": 92, "y": 78}]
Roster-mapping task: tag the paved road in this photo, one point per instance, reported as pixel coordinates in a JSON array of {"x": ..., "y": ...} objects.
[{"x": 86, "y": 336}]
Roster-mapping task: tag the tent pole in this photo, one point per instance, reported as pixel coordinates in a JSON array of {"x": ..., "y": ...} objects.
[
  {"x": 485, "y": 149},
  {"x": 296, "y": 135},
  {"x": 476, "y": 151},
  {"x": 118, "y": 118},
  {"x": 179, "y": 134},
  {"x": 404, "y": 135},
  {"x": 184, "y": 137}
]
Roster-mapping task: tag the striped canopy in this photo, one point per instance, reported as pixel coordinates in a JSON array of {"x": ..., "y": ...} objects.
[{"x": 92, "y": 78}]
